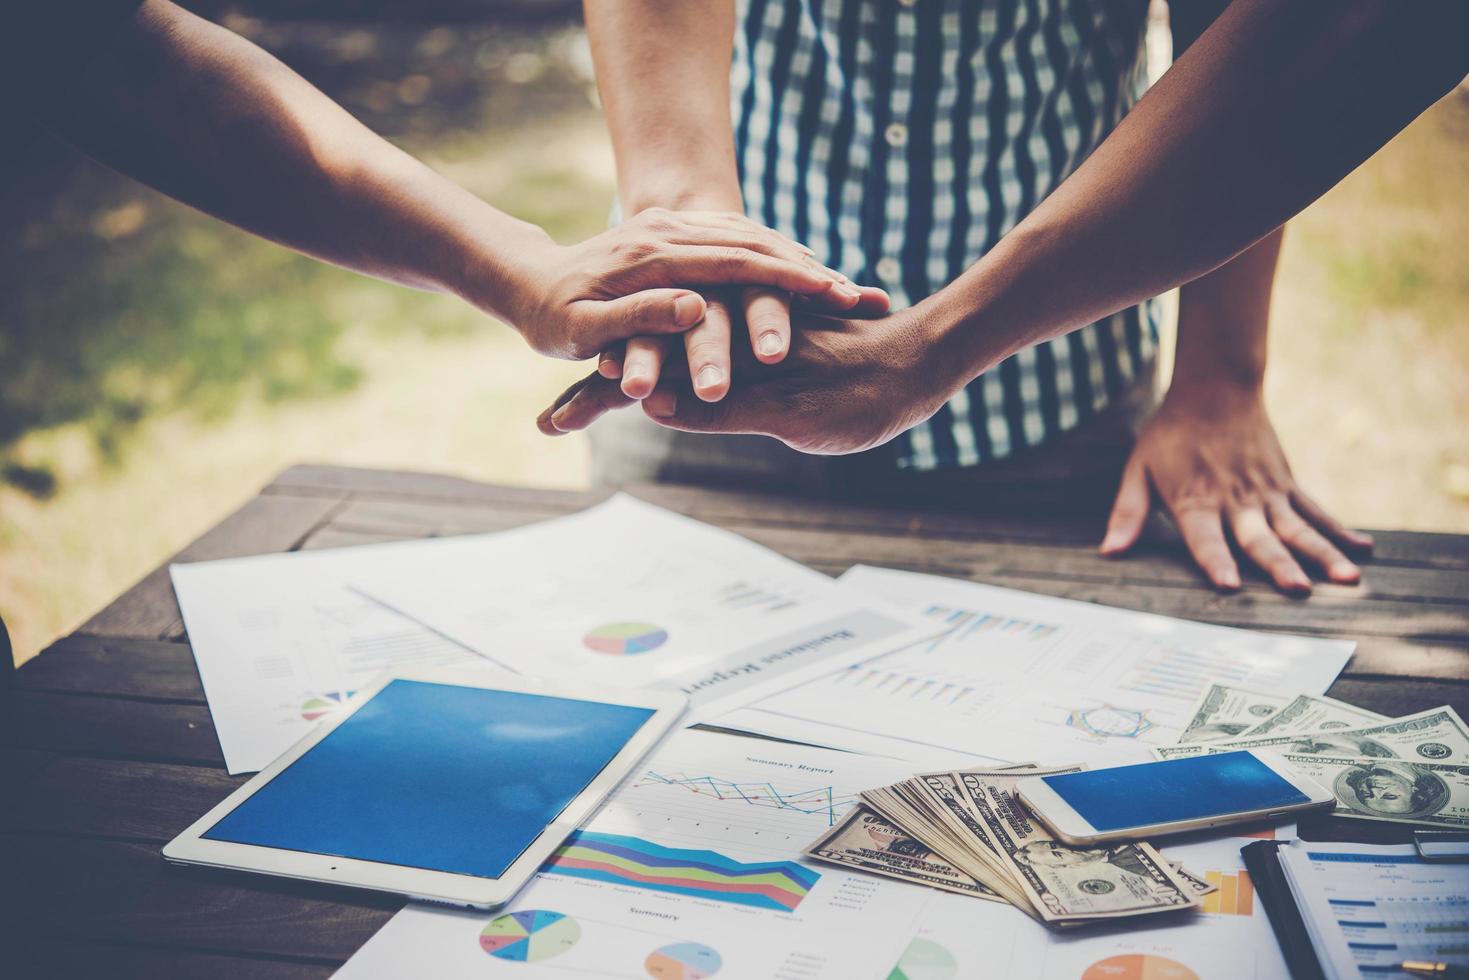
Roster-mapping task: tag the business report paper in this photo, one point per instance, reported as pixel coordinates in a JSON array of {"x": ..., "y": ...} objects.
[
  {"x": 628, "y": 594},
  {"x": 1017, "y": 676},
  {"x": 281, "y": 642},
  {"x": 693, "y": 868}
]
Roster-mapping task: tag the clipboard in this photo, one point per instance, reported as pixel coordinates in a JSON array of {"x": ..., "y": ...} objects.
[{"x": 1262, "y": 860}]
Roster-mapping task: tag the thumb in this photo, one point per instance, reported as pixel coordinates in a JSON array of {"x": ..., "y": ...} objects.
[
  {"x": 652, "y": 311},
  {"x": 1129, "y": 511}
]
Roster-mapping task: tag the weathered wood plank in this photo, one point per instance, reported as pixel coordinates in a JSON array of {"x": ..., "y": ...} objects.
[
  {"x": 115, "y": 728},
  {"x": 1446, "y": 550},
  {"x": 1152, "y": 564},
  {"x": 1396, "y": 697},
  {"x": 146, "y": 802},
  {"x": 153, "y": 669},
  {"x": 98, "y": 891},
  {"x": 81, "y": 958},
  {"x": 265, "y": 524}
]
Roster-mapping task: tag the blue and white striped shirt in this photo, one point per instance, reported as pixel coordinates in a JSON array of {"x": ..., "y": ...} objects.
[{"x": 901, "y": 138}]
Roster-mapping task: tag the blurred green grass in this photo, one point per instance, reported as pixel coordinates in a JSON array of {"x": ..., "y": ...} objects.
[{"x": 160, "y": 366}]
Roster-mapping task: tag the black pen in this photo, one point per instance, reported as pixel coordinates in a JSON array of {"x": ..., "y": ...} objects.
[{"x": 1422, "y": 968}]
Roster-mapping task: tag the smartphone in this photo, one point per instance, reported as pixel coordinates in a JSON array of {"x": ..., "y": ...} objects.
[{"x": 1152, "y": 799}]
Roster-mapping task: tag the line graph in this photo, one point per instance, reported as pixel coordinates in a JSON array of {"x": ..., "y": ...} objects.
[{"x": 820, "y": 801}]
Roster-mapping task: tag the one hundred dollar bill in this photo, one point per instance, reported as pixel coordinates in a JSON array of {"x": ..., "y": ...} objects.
[
  {"x": 864, "y": 840},
  {"x": 1433, "y": 794},
  {"x": 1435, "y": 735},
  {"x": 1307, "y": 713},
  {"x": 1228, "y": 712},
  {"x": 1067, "y": 883}
]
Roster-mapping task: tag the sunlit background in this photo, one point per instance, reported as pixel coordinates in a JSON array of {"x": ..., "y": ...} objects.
[{"x": 157, "y": 367}]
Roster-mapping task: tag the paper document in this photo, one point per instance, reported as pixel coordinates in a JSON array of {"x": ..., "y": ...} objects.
[
  {"x": 281, "y": 641},
  {"x": 1230, "y": 939},
  {"x": 1368, "y": 908},
  {"x": 693, "y": 868},
  {"x": 1019, "y": 676},
  {"x": 631, "y": 595}
]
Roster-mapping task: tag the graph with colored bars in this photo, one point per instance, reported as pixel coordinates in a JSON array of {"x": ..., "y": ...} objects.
[
  {"x": 1236, "y": 896},
  {"x": 696, "y": 873},
  {"x": 814, "y": 801},
  {"x": 967, "y": 622}
]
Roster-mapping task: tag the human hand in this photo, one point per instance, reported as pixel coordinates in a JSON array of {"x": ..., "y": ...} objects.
[
  {"x": 1213, "y": 460},
  {"x": 707, "y": 347},
  {"x": 846, "y": 385},
  {"x": 634, "y": 280}
]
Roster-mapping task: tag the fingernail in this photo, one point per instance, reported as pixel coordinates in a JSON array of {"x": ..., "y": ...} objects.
[
  {"x": 1343, "y": 572},
  {"x": 1229, "y": 581},
  {"x": 688, "y": 310},
  {"x": 845, "y": 291},
  {"x": 559, "y": 416},
  {"x": 769, "y": 344},
  {"x": 661, "y": 404},
  {"x": 709, "y": 377}
]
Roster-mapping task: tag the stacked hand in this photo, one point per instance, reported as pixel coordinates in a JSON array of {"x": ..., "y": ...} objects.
[
  {"x": 845, "y": 386},
  {"x": 635, "y": 281}
]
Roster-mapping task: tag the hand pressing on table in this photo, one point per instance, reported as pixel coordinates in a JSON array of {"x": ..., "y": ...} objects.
[{"x": 1210, "y": 456}]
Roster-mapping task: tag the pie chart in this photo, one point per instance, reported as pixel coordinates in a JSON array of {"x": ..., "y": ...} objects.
[
  {"x": 925, "y": 959},
  {"x": 621, "y": 639},
  {"x": 322, "y": 704},
  {"x": 529, "y": 936},
  {"x": 1138, "y": 966},
  {"x": 683, "y": 961}
]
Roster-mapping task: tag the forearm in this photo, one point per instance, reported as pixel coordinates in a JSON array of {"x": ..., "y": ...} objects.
[
  {"x": 209, "y": 118},
  {"x": 663, "y": 75},
  {"x": 1275, "y": 103},
  {"x": 1223, "y": 325}
]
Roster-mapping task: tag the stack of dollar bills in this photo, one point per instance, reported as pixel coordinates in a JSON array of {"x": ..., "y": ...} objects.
[
  {"x": 966, "y": 832},
  {"x": 1413, "y": 769}
]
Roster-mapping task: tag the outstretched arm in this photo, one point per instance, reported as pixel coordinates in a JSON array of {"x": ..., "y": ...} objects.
[
  {"x": 1274, "y": 104},
  {"x": 209, "y": 118}
]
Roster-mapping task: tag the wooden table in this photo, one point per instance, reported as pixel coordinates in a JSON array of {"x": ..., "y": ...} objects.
[{"x": 111, "y": 751}]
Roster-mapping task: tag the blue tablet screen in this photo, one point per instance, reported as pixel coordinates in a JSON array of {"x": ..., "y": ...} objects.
[
  {"x": 1179, "y": 789},
  {"x": 436, "y": 776}
]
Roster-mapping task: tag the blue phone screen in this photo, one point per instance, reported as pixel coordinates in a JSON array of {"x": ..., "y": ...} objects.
[
  {"x": 1179, "y": 789},
  {"x": 436, "y": 776}
]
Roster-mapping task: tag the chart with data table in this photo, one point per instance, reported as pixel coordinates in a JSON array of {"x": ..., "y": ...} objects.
[{"x": 1016, "y": 676}]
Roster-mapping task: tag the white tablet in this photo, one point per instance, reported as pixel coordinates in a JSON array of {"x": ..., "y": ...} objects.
[{"x": 450, "y": 785}]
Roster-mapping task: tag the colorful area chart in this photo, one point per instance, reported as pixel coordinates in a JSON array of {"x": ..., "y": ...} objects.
[
  {"x": 529, "y": 936},
  {"x": 779, "y": 885},
  {"x": 925, "y": 959},
  {"x": 621, "y": 639},
  {"x": 322, "y": 704},
  {"x": 1138, "y": 966},
  {"x": 683, "y": 961}
]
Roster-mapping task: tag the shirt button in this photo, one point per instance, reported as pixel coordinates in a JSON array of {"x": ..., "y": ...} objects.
[
  {"x": 888, "y": 269},
  {"x": 896, "y": 134}
]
